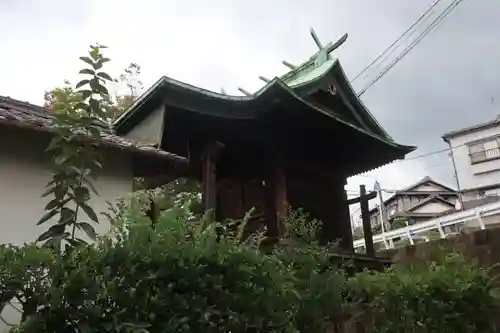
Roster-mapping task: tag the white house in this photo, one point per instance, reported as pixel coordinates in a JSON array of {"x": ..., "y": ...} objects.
[
  {"x": 25, "y": 169},
  {"x": 475, "y": 152},
  {"x": 424, "y": 200}
]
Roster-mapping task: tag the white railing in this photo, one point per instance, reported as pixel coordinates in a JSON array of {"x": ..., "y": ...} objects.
[{"x": 411, "y": 232}]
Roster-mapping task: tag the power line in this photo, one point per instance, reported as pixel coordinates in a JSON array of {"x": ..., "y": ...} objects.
[
  {"x": 437, "y": 21},
  {"x": 428, "y": 154},
  {"x": 422, "y": 17}
]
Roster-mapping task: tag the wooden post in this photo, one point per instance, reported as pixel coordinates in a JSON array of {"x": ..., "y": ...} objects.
[
  {"x": 281, "y": 197},
  {"x": 276, "y": 202},
  {"x": 365, "y": 215},
  {"x": 209, "y": 192}
]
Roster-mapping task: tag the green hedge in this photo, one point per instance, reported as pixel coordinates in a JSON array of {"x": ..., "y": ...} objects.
[
  {"x": 187, "y": 277},
  {"x": 452, "y": 294}
]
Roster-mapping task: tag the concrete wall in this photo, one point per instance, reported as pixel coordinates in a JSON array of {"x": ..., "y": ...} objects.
[
  {"x": 475, "y": 175},
  {"x": 24, "y": 173},
  {"x": 432, "y": 207},
  {"x": 149, "y": 130}
]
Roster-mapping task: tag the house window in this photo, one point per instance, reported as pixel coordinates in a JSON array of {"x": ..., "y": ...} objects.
[{"x": 484, "y": 151}]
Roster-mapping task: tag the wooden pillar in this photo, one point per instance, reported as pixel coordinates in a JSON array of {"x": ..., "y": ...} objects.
[
  {"x": 334, "y": 208},
  {"x": 365, "y": 216},
  {"x": 344, "y": 216},
  {"x": 276, "y": 202},
  {"x": 209, "y": 175},
  {"x": 281, "y": 197}
]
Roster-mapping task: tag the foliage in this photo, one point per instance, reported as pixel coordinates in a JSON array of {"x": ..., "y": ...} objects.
[
  {"x": 77, "y": 132},
  {"x": 316, "y": 280},
  {"x": 128, "y": 87},
  {"x": 400, "y": 222},
  {"x": 183, "y": 277},
  {"x": 451, "y": 294},
  {"x": 180, "y": 192},
  {"x": 188, "y": 277},
  {"x": 65, "y": 95}
]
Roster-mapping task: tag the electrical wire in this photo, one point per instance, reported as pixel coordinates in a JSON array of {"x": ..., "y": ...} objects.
[
  {"x": 405, "y": 34},
  {"x": 430, "y": 28}
]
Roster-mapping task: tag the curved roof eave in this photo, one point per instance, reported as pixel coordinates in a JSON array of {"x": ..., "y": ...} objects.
[
  {"x": 167, "y": 81},
  {"x": 350, "y": 90},
  {"x": 406, "y": 149},
  {"x": 273, "y": 86}
]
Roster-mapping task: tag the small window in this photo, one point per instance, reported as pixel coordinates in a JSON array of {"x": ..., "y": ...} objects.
[
  {"x": 484, "y": 151},
  {"x": 477, "y": 153}
]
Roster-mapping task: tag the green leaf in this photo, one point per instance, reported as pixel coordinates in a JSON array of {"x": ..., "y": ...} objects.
[
  {"x": 88, "y": 229},
  {"x": 102, "y": 90},
  {"x": 94, "y": 104},
  {"x": 87, "y": 181},
  {"x": 97, "y": 164},
  {"x": 54, "y": 242},
  {"x": 67, "y": 216},
  {"x": 82, "y": 194},
  {"x": 47, "y": 216},
  {"x": 105, "y": 76},
  {"x": 103, "y": 60},
  {"x": 81, "y": 84},
  {"x": 87, "y": 71},
  {"x": 86, "y": 93},
  {"x": 95, "y": 132},
  {"x": 81, "y": 106},
  {"x": 49, "y": 191},
  {"x": 94, "y": 54},
  {"x": 55, "y": 230},
  {"x": 90, "y": 212},
  {"x": 56, "y": 203},
  {"x": 76, "y": 242},
  {"x": 87, "y": 60}
]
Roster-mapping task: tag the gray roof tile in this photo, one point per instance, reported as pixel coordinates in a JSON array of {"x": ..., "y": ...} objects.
[{"x": 25, "y": 115}]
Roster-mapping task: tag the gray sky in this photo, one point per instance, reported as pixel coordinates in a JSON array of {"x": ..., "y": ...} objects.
[{"x": 447, "y": 82}]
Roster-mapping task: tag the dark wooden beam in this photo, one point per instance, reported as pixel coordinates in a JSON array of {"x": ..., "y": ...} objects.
[
  {"x": 369, "y": 196},
  {"x": 281, "y": 196},
  {"x": 365, "y": 216},
  {"x": 209, "y": 158},
  {"x": 276, "y": 201}
]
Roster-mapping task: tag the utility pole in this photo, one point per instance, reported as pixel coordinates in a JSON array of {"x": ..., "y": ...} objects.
[
  {"x": 459, "y": 192},
  {"x": 381, "y": 209}
]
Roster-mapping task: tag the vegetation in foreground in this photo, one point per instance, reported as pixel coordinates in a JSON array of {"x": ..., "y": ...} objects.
[
  {"x": 190, "y": 274},
  {"x": 188, "y": 277}
]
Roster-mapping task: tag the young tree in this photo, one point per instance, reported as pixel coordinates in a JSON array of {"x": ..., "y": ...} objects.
[
  {"x": 129, "y": 80},
  {"x": 75, "y": 159},
  {"x": 128, "y": 87}
]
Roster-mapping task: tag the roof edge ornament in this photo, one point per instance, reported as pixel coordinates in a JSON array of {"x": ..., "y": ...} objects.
[
  {"x": 323, "y": 55},
  {"x": 246, "y": 92}
]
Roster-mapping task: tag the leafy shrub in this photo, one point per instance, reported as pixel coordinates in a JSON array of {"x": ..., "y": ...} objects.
[
  {"x": 188, "y": 277},
  {"x": 316, "y": 280},
  {"x": 452, "y": 294},
  {"x": 181, "y": 278}
]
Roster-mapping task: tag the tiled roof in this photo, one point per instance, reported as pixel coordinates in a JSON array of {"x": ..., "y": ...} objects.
[
  {"x": 25, "y": 115},
  {"x": 470, "y": 129}
]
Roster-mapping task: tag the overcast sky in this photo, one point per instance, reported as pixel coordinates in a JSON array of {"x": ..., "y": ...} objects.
[{"x": 450, "y": 80}]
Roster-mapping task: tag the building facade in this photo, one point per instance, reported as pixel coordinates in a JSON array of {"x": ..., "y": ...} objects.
[
  {"x": 424, "y": 200},
  {"x": 476, "y": 157}
]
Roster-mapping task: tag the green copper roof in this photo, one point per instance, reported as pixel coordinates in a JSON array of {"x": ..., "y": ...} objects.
[
  {"x": 319, "y": 72},
  {"x": 306, "y": 73}
]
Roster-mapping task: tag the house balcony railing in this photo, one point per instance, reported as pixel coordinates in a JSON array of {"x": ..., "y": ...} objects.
[
  {"x": 441, "y": 225},
  {"x": 485, "y": 155}
]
